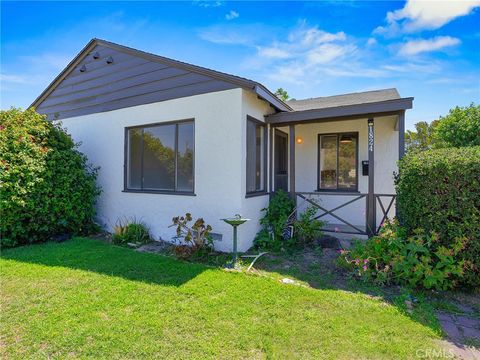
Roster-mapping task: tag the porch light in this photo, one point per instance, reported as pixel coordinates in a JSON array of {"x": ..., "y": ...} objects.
[{"x": 299, "y": 140}]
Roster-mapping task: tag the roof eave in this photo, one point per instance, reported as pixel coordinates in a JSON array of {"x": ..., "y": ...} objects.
[
  {"x": 346, "y": 111},
  {"x": 265, "y": 94}
]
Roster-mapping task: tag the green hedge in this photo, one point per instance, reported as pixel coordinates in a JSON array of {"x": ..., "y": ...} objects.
[
  {"x": 439, "y": 191},
  {"x": 46, "y": 187}
]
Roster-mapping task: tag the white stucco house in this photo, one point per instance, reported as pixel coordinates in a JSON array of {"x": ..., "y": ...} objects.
[{"x": 171, "y": 138}]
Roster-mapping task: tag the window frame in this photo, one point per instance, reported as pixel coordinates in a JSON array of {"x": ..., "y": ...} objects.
[
  {"x": 153, "y": 191},
  {"x": 338, "y": 134},
  {"x": 265, "y": 158}
]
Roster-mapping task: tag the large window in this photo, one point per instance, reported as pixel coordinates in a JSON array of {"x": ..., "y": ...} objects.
[
  {"x": 337, "y": 158},
  {"x": 256, "y": 156},
  {"x": 160, "y": 157}
]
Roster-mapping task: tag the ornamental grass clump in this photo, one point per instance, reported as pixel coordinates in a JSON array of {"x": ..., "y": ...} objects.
[
  {"x": 130, "y": 232},
  {"x": 47, "y": 187}
]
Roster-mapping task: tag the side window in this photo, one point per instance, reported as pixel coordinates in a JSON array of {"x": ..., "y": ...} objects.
[
  {"x": 256, "y": 156},
  {"x": 160, "y": 157}
]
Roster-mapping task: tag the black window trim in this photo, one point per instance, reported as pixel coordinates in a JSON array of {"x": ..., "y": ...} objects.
[
  {"x": 153, "y": 191},
  {"x": 249, "y": 194},
  {"x": 355, "y": 190}
]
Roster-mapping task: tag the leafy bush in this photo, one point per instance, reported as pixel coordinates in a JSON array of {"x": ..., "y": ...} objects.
[
  {"x": 279, "y": 209},
  {"x": 130, "y": 231},
  {"x": 418, "y": 260},
  {"x": 461, "y": 127},
  {"x": 46, "y": 187},
  {"x": 439, "y": 191},
  {"x": 307, "y": 228},
  {"x": 279, "y": 214},
  {"x": 196, "y": 237}
]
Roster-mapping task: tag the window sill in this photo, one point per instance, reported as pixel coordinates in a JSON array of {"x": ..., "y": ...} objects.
[
  {"x": 160, "y": 192},
  {"x": 338, "y": 192},
  {"x": 255, "y": 194}
]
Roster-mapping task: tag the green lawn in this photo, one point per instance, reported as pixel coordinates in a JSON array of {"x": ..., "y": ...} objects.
[{"x": 88, "y": 299}]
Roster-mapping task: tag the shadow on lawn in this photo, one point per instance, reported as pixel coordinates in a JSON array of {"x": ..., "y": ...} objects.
[
  {"x": 319, "y": 270},
  {"x": 106, "y": 259}
]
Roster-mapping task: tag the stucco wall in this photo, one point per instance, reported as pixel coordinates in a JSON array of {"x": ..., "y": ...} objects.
[
  {"x": 219, "y": 177},
  {"x": 251, "y": 206},
  {"x": 220, "y": 162}
]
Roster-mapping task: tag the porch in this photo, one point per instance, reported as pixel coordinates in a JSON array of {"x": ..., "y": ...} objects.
[{"x": 339, "y": 155}]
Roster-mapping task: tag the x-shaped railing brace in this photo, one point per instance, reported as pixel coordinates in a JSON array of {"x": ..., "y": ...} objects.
[
  {"x": 385, "y": 212},
  {"x": 330, "y": 212}
]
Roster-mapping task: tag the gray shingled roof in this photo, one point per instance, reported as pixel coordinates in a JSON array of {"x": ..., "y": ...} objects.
[{"x": 345, "y": 99}]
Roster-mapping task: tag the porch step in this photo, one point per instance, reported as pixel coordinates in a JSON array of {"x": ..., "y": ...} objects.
[{"x": 341, "y": 232}]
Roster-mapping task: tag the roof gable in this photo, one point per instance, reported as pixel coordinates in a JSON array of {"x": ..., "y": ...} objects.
[{"x": 106, "y": 76}]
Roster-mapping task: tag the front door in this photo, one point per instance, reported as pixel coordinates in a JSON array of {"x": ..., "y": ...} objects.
[{"x": 281, "y": 160}]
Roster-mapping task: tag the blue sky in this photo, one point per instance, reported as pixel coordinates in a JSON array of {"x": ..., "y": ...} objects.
[{"x": 429, "y": 49}]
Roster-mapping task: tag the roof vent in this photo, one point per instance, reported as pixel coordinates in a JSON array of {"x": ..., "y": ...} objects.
[
  {"x": 96, "y": 55},
  {"x": 83, "y": 68},
  {"x": 109, "y": 60}
]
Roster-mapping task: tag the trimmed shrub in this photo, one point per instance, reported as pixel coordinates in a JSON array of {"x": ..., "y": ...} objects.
[
  {"x": 46, "y": 187},
  {"x": 439, "y": 191}
]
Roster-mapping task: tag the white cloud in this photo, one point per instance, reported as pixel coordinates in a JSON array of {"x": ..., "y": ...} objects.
[
  {"x": 414, "y": 47},
  {"x": 312, "y": 36},
  {"x": 47, "y": 61},
  {"x": 307, "y": 52},
  {"x": 326, "y": 53},
  {"x": 273, "y": 52},
  {"x": 425, "y": 15},
  {"x": 309, "y": 55},
  {"x": 232, "y": 15},
  {"x": 309, "y": 44},
  {"x": 207, "y": 3},
  {"x": 13, "y": 78},
  {"x": 226, "y": 35}
]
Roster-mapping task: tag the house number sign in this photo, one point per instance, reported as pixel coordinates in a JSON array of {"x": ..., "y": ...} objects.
[{"x": 370, "y": 136}]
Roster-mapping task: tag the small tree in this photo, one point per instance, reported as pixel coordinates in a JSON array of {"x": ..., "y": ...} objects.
[
  {"x": 461, "y": 127},
  {"x": 46, "y": 187},
  {"x": 422, "y": 139},
  {"x": 282, "y": 94}
]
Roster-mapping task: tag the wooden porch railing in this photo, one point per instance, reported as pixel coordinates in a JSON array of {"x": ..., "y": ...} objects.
[{"x": 311, "y": 198}]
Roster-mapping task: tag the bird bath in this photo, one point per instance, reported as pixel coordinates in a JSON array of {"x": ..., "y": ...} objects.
[{"x": 235, "y": 222}]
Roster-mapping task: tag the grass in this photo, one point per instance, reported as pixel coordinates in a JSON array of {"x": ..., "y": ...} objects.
[{"x": 88, "y": 299}]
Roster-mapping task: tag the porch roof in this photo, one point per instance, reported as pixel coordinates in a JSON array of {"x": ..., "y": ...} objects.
[{"x": 343, "y": 107}]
